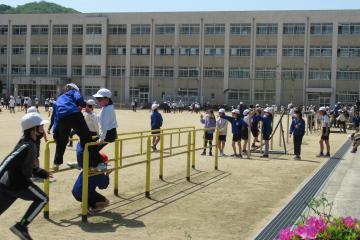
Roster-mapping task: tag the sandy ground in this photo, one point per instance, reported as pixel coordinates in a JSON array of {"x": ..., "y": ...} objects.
[{"x": 232, "y": 203}]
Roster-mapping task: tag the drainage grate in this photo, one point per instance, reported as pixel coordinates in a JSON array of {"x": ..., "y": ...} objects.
[{"x": 294, "y": 208}]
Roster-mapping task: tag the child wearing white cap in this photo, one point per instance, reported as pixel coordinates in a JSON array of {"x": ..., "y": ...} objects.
[
  {"x": 325, "y": 124},
  {"x": 222, "y": 124},
  {"x": 209, "y": 124},
  {"x": 16, "y": 171}
]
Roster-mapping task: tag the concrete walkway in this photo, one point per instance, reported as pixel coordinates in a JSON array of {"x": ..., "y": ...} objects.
[{"x": 343, "y": 186}]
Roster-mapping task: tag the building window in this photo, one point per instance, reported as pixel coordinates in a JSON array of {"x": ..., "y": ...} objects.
[
  {"x": 117, "y": 50},
  {"x": 164, "y": 51},
  {"x": 320, "y": 51},
  {"x": 164, "y": 71},
  {"x": 316, "y": 74},
  {"x": 214, "y": 29},
  {"x": 117, "y": 29},
  {"x": 140, "y": 50},
  {"x": 266, "y": 28},
  {"x": 3, "y": 49},
  {"x": 353, "y": 74},
  {"x": 93, "y": 49},
  {"x": 240, "y": 29},
  {"x": 240, "y": 51},
  {"x": 292, "y": 74},
  {"x": 116, "y": 71},
  {"x": 188, "y": 92},
  {"x": 4, "y": 29},
  {"x": 262, "y": 74},
  {"x": 77, "y": 29},
  {"x": 235, "y": 95},
  {"x": 38, "y": 70},
  {"x": 214, "y": 51},
  {"x": 139, "y": 71},
  {"x": 165, "y": 29},
  {"x": 241, "y": 73},
  {"x": 59, "y": 50},
  {"x": 60, "y": 29},
  {"x": 213, "y": 72},
  {"x": 140, "y": 29},
  {"x": 293, "y": 51},
  {"x": 18, "y": 50},
  {"x": 189, "y": 29},
  {"x": 3, "y": 69},
  {"x": 188, "y": 72},
  {"x": 264, "y": 97},
  {"x": 39, "y": 29},
  {"x": 91, "y": 90},
  {"x": 93, "y": 29},
  {"x": 77, "y": 50},
  {"x": 349, "y": 28},
  {"x": 294, "y": 28},
  {"x": 39, "y": 50},
  {"x": 266, "y": 51},
  {"x": 321, "y": 28},
  {"x": 76, "y": 70},
  {"x": 189, "y": 51},
  {"x": 92, "y": 70},
  {"x": 59, "y": 70},
  {"x": 349, "y": 52},
  {"x": 19, "y": 29},
  {"x": 18, "y": 69}
]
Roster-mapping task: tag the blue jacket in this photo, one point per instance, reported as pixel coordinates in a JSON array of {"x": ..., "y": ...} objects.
[
  {"x": 236, "y": 124},
  {"x": 101, "y": 181},
  {"x": 267, "y": 125},
  {"x": 255, "y": 121},
  {"x": 209, "y": 123},
  {"x": 300, "y": 130},
  {"x": 156, "y": 120},
  {"x": 356, "y": 121},
  {"x": 68, "y": 103}
]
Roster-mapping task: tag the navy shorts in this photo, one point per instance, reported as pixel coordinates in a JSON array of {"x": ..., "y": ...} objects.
[
  {"x": 255, "y": 132},
  {"x": 209, "y": 136},
  {"x": 323, "y": 134},
  {"x": 222, "y": 138},
  {"x": 245, "y": 134},
  {"x": 236, "y": 137},
  {"x": 266, "y": 136},
  {"x": 155, "y": 132}
]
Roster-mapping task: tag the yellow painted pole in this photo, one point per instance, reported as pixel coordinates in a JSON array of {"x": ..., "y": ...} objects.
[
  {"x": 287, "y": 128},
  {"x": 141, "y": 143},
  {"x": 193, "y": 148},
  {"x": 46, "y": 182},
  {"x": 280, "y": 134},
  {"x": 188, "y": 157},
  {"x": 161, "y": 156},
  {"x": 171, "y": 140},
  {"x": 179, "y": 138},
  {"x": 116, "y": 175},
  {"x": 121, "y": 152},
  {"x": 85, "y": 184},
  {"x": 216, "y": 149},
  {"x": 148, "y": 159}
]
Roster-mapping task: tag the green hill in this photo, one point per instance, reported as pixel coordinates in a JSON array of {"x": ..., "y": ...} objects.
[{"x": 36, "y": 7}]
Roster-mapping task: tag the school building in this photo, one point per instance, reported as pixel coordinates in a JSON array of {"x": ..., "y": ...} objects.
[{"x": 274, "y": 57}]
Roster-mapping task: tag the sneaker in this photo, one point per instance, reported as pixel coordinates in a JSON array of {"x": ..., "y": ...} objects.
[
  {"x": 239, "y": 155},
  {"x": 353, "y": 151},
  {"x": 203, "y": 153},
  {"x": 327, "y": 155},
  {"x": 55, "y": 167},
  {"x": 233, "y": 155},
  {"x": 210, "y": 153},
  {"x": 21, "y": 231},
  {"x": 265, "y": 156},
  {"x": 320, "y": 155},
  {"x": 73, "y": 165},
  {"x": 101, "y": 167},
  {"x": 221, "y": 154},
  {"x": 153, "y": 148},
  {"x": 297, "y": 157},
  {"x": 91, "y": 212}
]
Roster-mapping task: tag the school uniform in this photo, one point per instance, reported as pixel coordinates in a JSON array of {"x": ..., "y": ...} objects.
[
  {"x": 356, "y": 122},
  {"x": 325, "y": 123},
  {"x": 156, "y": 121},
  {"x": 255, "y": 125},
  {"x": 222, "y": 126},
  {"x": 266, "y": 131},
  {"x": 244, "y": 129},
  {"x": 209, "y": 123},
  {"x": 236, "y": 124},
  {"x": 100, "y": 181},
  {"x": 297, "y": 129}
]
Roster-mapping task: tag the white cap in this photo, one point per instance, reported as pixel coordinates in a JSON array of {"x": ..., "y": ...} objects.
[
  {"x": 257, "y": 105},
  {"x": 221, "y": 110},
  {"x": 241, "y": 103},
  {"x": 246, "y": 112},
  {"x": 154, "y": 106},
  {"x": 103, "y": 92},
  {"x": 73, "y": 85},
  {"x": 323, "y": 109},
  {"x": 90, "y": 102},
  {"x": 268, "y": 110},
  {"x": 31, "y": 110},
  {"x": 235, "y": 111},
  {"x": 31, "y": 120}
]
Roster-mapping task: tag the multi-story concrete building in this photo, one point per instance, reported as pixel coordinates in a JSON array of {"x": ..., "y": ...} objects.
[{"x": 308, "y": 57}]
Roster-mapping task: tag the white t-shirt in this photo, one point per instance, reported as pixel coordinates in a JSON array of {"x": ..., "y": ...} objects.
[{"x": 325, "y": 121}]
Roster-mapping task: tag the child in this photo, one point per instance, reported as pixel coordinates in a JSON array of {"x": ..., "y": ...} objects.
[
  {"x": 107, "y": 125},
  {"x": 12, "y": 104},
  {"x": 15, "y": 174},
  {"x": 245, "y": 130},
  {"x": 341, "y": 121},
  {"x": 209, "y": 122},
  {"x": 221, "y": 124},
  {"x": 298, "y": 130},
  {"x": 355, "y": 137},
  {"x": 96, "y": 201},
  {"x": 325, "y": 123},
  {"x": 156, "y": 123},
  {"x": 236, "y": 124},
  {"x": 266, "y": 129},
  {"x": 356, "y": 120},
  {"x": 256, "y": 118}
]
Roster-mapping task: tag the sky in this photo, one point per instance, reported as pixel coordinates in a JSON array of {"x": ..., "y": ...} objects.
[{"x": 87, "y": 6}]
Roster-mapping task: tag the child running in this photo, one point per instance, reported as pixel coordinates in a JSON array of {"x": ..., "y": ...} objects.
[
  {"x": 297, "y": 129},
  {"x": 16, "y": 171},
  {"x": 156, "y": 123},
  {"x": 209, "y": 122},
  {"x": 221, "y": 124}
]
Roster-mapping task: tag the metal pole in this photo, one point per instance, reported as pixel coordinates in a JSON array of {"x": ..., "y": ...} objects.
[
  {"x": 287, "y": 128},
  {"x": 171, "y": 144},
  {"x": 161, "y": 156},
  {"x": 121, "y": 152},
  {"x": 249, "y": 138},
  {"x": 179, "y": 138},
  {"x": 193, "y": 149},
  {"x": 85, "y": 186},
  {"x": 46, "y": 182},
  {"x": 271, "y": 140},
  {"x": 188, "y": 157},
  {"x": 141, "y": 143},
  {"x": 116, "y": 175},
  {"x": 216, "y": 149},
  {"x": 148, "y": 159}
]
